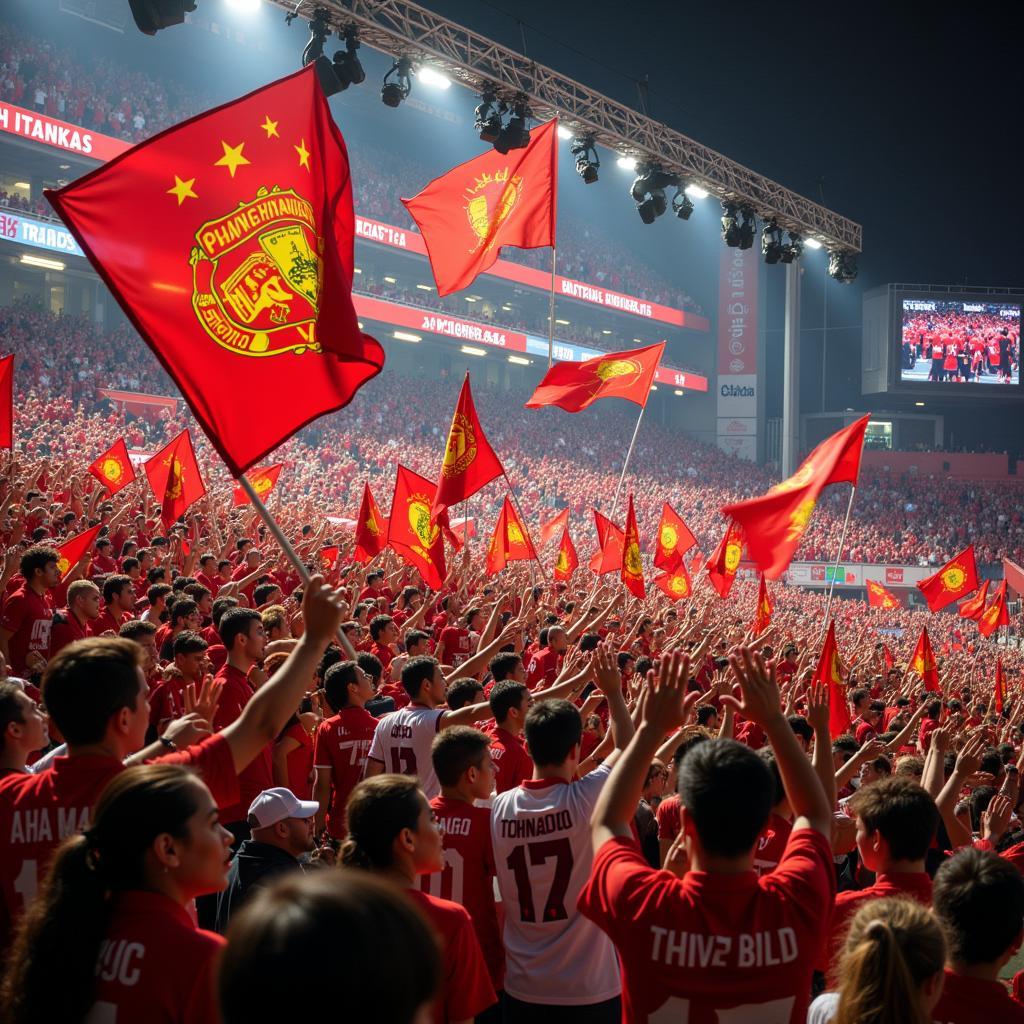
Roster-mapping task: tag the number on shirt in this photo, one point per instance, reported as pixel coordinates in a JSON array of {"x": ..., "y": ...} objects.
[
  {"x": 27, "y": 881},
  {"x": 554, "y": 906},
  {"x": 403, "y": 760},
  {"x": 448, "y": 883}
]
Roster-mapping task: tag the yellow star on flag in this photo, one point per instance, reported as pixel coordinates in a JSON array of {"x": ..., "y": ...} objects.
[
  {"x": 303, "y": 154},
  {"x": 270, "y": 127},
  {"x": 232, "y": 158},
  {"x": 182, "y": 189}
]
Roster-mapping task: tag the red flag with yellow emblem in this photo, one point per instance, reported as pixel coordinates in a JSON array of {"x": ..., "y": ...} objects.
[
  {"x": 675, "y": 585},
  {"x": 70, "y": 552},
  {"x": 632, "y": 566},
  {"x": 495, "y": 199},
  {"x": 996, "y": 614},
  {"x": 974, "y": 607},
  {"x": 608, "y": 557},
  {"x": 674, "y": 539},
  {"x": 774, "y": 523},
  {"x": 263, "y": 482},
  {"x": 469, "y": 461},
  {"x": 956, "y": 579},
  {"x": 575, "y": 386},
  {"x": 510, "y": 542},
  {"x": 328, "y": 556},
  {"x": 879, "y": 596},
  {"x": 568, "y": 561},
  {"x": 722, "y": 565},
  {"x": 228, "y": 241},
  {"x": 173, "y": 474},
  {"x": 829, "y": 674},
  {"x": 1000, "y": 688},
  {"x": 114, "y": 468},
  {"x": 763, "y": 612},
  {"x": 371, "y": 529},
  {"x": 412, "y": 531},
  {"x": 923, "y": 662},
  {"x": 549, "y": 529}
]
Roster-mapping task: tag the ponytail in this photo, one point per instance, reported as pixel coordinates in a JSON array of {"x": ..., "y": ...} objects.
[{"x": 378, "y": 810}]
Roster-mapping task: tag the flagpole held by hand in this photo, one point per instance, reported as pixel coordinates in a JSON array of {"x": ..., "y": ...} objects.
[
  {"x": 835, "y": 568},
  {"x": 522, "y": 519}
]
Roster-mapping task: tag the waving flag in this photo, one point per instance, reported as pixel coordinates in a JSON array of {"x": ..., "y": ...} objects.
[
  {"x": 412, "y": 531},
  {"x": 173, "y": 475},
  {"x": 71, "y": 551},
  {"x": 763, "y": 614},
  {"x": 675, "y": 585},
  {"x": 923, "y": 662},
  {"x": 673, "y": 541},
  {"x": 829, "y": 674},
  {"x": 263, "y": 481},
  {"x": 1000, "y": 688},
  {"x": 996, "y": 614},
  {"x": 550, "y": 529},
  {"x": 974, "y": 607},
  {"x": 510, "y": 542},
  {"x": 7, "y": 402},
  {"x": 371, "y": 529},
  {"x": 328, "y": 556},
  {"x": 228, "y": 242},
  {"x": 632, "y": 566},
  {"x": 879, "y": 596},
  {"x": 722, "y": 565},
  {"x": 495, "y": 199},
  {"x": 608, "y": 557},
  {"x": 114, "y": 468},
  {"x": 956, "y": 579},
  {"x": 567, "y": 562}
]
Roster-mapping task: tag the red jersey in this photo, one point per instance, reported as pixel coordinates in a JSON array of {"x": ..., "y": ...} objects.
[
  {"x": 155, "y": 964},
  {"x": 468, "y": 875},
  {"x": 928, "y": 726},
  {"x": 466, "y": 989},
  {"x": 513, "y": 763},
  {"x": 771, "y": 844},
  {"x": 710, "y": 947},
  {"x": 863, "y": 731},
  {"x": 167, "y": 701},
  {"x": 975, "y": 1001},
  {"x": 66, "y": 629},
  {"x": 108, "y": 622},
  {"x": 382, "y": 653},
  {"x": 456, "y": 645},
  {"x": 300, "y": 761},
  {"x": 340, "y": 747},
  {"x": 667, "y": 816},
  {"x": 29, "y": 617},
  {"x": 397, "y": 692},
  {"x": 543, "y": 668}
]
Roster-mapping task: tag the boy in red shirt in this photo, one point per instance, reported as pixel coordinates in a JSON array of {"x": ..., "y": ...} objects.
[
  {"x": 27, "y": 618},
  {"x": 719, "y": 942},
  {"x": 509, "y": 702}
]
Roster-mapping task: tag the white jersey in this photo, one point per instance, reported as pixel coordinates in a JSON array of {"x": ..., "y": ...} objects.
[
  {"x": 402, "y": 741},
  {"x": 541, "y": 836}
]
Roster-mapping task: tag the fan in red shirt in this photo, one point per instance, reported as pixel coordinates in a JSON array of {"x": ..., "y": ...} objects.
[
  {"x": 27, "y": 617},
  {"x": 118, "y": 605},
  {"x": 509, "y": 701},
  {"x": 543, "y": 667},
  {"x": 75, "y": 621},
  {"x": 167, "y": 698},
  {"x": 456, "y": 643},
  {"x": 720, "y": 941},
  {"x": 384, "y": 635}
]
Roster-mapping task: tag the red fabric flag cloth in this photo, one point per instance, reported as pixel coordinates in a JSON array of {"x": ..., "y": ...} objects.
[
  {"x": 228, "y": 242},
  {"x": 1014, "y": 576},
  {"x": 173, "y": 474},
  {"x": 263, "y": 482},
  {"x": 575, "y": 386},
  {"x": 880, "y": 596},
  {"x": 996, "y": 614},
  {"x": 674, "y": 540},
  {"x": 775, "y": 522},
  {"x": 510, "y": 542},
  {"x": 550, "y": 529},
  {"x": 763, "y": 613},
  {"x": 999, "y": 696},
  {"x": 371, "y": 529},
  {"x": 114, "y": 468},
  {"x": 632, "y": 566},
  {"x": 469, "y": 461},
  {"x": 829, "y": 674},
  {"x": 72, "y": 550},
  {"x": 568, "y": 561},
  {"x": 608, "y": 557},
  {"x": 412, "y": 531},
  {"x": 722, "y": 565},
  {"x": 923, "y": 662},
  {"x": 890, "y": 659},
  {"x": 675, "y": 585},
  {"x": 956, "y": 579},
  {"x": 7, "y": 402},
  {"x": 495, "y": 199},
  {"x": 974, "y": 607},
  {"x": 328, "y": 556}
]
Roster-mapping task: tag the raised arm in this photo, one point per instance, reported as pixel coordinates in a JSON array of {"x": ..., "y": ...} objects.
[{"x": 821, "y": 760}]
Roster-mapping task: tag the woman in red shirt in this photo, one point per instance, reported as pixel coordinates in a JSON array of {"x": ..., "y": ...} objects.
[{"x": 112, "y": 917}]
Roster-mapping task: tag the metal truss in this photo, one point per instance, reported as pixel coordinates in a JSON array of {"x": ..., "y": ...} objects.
[{"x": 401, "y": 28}]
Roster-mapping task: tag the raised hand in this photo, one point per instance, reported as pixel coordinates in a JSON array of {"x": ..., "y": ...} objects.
[{"x": 758, "y": 688}]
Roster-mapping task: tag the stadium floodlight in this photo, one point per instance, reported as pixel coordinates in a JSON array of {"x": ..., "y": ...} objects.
[
  {"x": 488, "y": 114},
  {"x": 730, "y": 225},
  {"x": 472, "y": 350},
  {"x": 587, "y": 160},
  {"x": 812, "y": 243},
  {"x": 347, "y": 66},
  {"x": 627, "y": 163},
  {"x": 648, "y": 191},
  {"x": 244, "y": 6},
  {"x": 696, "y": 192},
  {"x": 428, "y": 76},
  {"x": 564, "y": 133},
  {"x": 842, "y": 266},
  {"x": 313, "y": 53},
  {"x": 793, "y": 249},
  {"x": 406, "y": 336},
  {"x": 152, "y": 15},
  {"x": 41, "y": 261},
  {"x": 516, "y": 133},
  {"x": 682, "y": 205},
  {"x": 748, "y": 228},
  {"x": 392, "y": 92},
  {"x": 771, "y": 243}
]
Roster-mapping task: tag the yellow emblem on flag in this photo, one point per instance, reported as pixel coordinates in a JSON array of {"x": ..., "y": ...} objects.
[
  {"x": 668, "y": 537},
  {"x": 562, "y": 565},
  {"x": 634, "y": 567},
  {"x": 953, "y": 578},
  {"x": 679, "y": 586},
  {"x": 175, "y": 484},
  {"x": 63, "y": 565},
  {"x": 609, "y": 369},
  {"x": 262, "y": 484},
  {"x": 800, "y": 518},
  {"x": 801, "y": 478},
  {"x": 112, "y": 469},
  {"x": 514, "y": 534},
  {"x": 419, "y": 519},
  {"x": 733, "y": 553},
  {"x": 460, "y": 451},
  {"x": 490, "y": 201}
]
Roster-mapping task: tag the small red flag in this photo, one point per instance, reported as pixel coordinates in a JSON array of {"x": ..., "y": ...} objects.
[
  {"x": 890, "y": 659},
  {"x": 550, "y": 529},
  {"x": 774, "y": 523},
  {"x": 114, "y": 468},
  {"x": 956, "y": 579},
  {"x": 974, "y": 607},
  {"x": 923, "y": 662},
  {"x": 674, "y": 539},
  {"x": 879, "y": 596},
  {"x": 469, "y": 461},
  {"x": 72, "y": 550},
  {"x": 632, "y": 566},
  {"x": 996, "y": 614},
  {"x": 495, "y": 199},
  {"x": 173, "y": 474},
  {"x": 263, "y": 482},
  {"x": 7, "y": 402},
  {"x": 567, "y": 562},
  {"x": 328, "y": 556},
  {"x": 575, "y": 386},
  {"x": 510, "y": 542},
  {"x": 722, "y": 565},
  {"x": 697, "y": 562},
  {"x": 828, "y": 673},
  {"x": 608, "y": 557},
  {"x": 1000, "y": 689},
  {"x": 412, "y": 531},
  {"x": 228, "y": 241},
  {"x": 763, "y": 613},
  {"x": 675, "y": 585},
  {"x": 371, "y": 529}
]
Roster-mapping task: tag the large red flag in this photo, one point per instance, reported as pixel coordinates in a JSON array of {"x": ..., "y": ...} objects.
[
  {"x": 567, "y": 561},
  {"x": 549, "y": 529},
  {"x": 574, "y": 386},
  {"x": 828, "y": 673},
  {"x": 510, "y": 543},
  {"x": 676, "y": 584},
  {"x": 227, "y": 240},
  {"x": 956, "y": 579},
  {"x": 674, "y": 540},
  {"x": 114, "y": 468},
  {"x": 495, "y": 199},
  {"x": 774, "y": 523},
  {"x": 608, "y": 557},
  {"x": 722, "y": 565},
  {"x": 7, "y": 402},
  {"x": 263, "y": 482},
  {"x": 974, "y": 607},
  {"x": 412, "y": 531},
  {"x": 632, "y": 566},
  {"x": 371, "y": 529},
  {"x": 923, "y": 662},
  {"x": 763, "y": 612},
  {"x": 173, "y": 474},
  {"x": 1000, "y": 688},
  {"x": 72, "y": 550},
  {"x": 880, "y": 596},
  {"x": 996, "y": 614},
  {"x": 469, "y": 461}
]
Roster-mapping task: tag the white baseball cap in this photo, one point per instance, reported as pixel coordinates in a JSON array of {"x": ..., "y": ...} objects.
[{"x": 274, "y": 805}]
